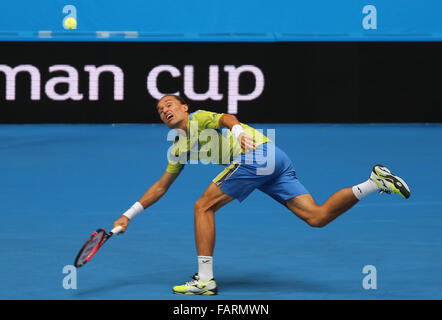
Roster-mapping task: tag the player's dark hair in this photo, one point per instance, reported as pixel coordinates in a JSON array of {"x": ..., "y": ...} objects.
[{"x": 180, "y": 99}]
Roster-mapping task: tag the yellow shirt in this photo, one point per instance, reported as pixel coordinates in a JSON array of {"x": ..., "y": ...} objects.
[{"x": 205, "y": 141}]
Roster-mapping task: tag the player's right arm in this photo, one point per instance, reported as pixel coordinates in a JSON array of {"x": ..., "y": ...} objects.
[
  {"x": 230, "y": 122},
  {"x": 152, "y": 195}
]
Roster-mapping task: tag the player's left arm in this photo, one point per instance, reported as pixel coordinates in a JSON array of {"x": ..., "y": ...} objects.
[{"x": 230, "y": 122}]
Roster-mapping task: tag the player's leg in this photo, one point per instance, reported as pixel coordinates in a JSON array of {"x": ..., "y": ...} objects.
[
  {"x": 316, "y": 215},
  {"x": 205, "y": 207},
  {"x": 204, "y": 214},
  {"x": 381, "y": 179},
  {"x": 236, "y": 181},
  {"x": 288, "y": 190}
]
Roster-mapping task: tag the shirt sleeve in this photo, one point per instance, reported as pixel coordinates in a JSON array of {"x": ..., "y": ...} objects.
[
  {"x": 208, "y": 119},
  {"x": 174, "y": 164},
  {"x": 174, "y": 167}
]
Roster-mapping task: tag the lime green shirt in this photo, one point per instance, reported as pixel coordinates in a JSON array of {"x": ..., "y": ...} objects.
[{"x": 205, "y": 141}]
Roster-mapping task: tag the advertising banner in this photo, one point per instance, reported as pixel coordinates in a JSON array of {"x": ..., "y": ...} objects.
[{"x": 305, "y": 82}]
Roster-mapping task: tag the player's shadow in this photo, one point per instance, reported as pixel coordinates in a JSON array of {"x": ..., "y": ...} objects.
[
  {"x": 247, "y": 282},
  {"x": 115, "y": 285},
  {"x": 265, "y": 283}
]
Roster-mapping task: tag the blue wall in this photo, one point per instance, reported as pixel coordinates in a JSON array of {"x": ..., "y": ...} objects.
[{"x": 223, "y": 20}]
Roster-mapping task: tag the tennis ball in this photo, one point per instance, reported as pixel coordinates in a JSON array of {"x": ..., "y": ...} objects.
[{"x": 70, "y": 23}]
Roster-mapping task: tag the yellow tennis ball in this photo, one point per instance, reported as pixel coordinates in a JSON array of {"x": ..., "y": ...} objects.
[{"x": 70, "y": 23}]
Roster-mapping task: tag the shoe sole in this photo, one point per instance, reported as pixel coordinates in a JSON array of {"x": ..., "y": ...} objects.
[
  {"x": 398, "y": 184},
  {"x": 203, "y": 293}
]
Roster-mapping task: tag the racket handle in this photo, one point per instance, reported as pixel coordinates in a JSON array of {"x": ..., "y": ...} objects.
[{"x": 116, "y": 230}]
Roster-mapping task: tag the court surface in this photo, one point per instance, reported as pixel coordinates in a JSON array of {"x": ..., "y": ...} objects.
[{"x": 61, "y": 182}]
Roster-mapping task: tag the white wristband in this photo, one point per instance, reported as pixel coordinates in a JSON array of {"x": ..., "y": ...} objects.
[
  {"x": 237, "y": 129},
  {"x": 137, "y": 208}
]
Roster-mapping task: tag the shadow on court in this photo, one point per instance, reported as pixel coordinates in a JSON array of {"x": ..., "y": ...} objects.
[
  {"x": 113, "y": 286},
  {"x": 268, "y": 285}
]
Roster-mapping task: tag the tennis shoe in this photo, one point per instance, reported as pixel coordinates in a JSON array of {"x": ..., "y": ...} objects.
[
  {"x": 388, "y": 182},
  {"x": 196, "y": 286}
]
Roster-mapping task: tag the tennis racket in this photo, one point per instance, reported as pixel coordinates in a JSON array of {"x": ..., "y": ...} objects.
[{"x": 91, "y": 246}]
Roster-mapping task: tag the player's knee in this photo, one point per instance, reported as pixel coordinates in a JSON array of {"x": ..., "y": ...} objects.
[
  {"x": 318, "y": 219},
  {"x": 317, "y": 223},
  {"x": 199, "y": 206}
]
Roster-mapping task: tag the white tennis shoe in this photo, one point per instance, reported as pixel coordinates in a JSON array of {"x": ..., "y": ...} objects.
[
  {"x": 388, "y": 182},
  {"x": 195, "y": 286}
]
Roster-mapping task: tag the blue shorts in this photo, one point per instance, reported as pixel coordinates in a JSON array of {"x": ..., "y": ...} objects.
[{"x": 273, "y": 175}]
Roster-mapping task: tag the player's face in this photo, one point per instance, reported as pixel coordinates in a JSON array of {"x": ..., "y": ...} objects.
[{"x": 172, "y": 112}]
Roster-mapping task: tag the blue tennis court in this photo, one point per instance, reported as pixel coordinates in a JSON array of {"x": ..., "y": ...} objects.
[{"x": 61, "y": 182}]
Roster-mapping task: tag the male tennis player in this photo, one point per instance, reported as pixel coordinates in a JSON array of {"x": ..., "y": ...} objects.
[{"x": 245, "y": 173}]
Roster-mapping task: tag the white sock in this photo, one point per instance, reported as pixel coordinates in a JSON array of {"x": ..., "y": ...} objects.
[
  {"x": 205, "y": 268},
  {"x": 364, "y": 189}
]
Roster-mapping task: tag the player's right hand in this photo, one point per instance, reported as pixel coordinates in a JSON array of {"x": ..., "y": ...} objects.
[{"x": 122, "y": 221}]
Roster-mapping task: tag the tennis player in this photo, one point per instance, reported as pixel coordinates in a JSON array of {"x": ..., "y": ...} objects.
[{"x": 254, "y": 162}]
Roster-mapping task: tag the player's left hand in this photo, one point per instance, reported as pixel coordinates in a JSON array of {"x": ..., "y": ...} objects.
[{"x": 247, "y": 142}]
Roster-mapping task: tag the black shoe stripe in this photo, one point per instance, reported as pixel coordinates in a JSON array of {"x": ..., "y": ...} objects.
[
  {"x": 401, "y": 188},
  {"x": 391, "y": 178}
]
